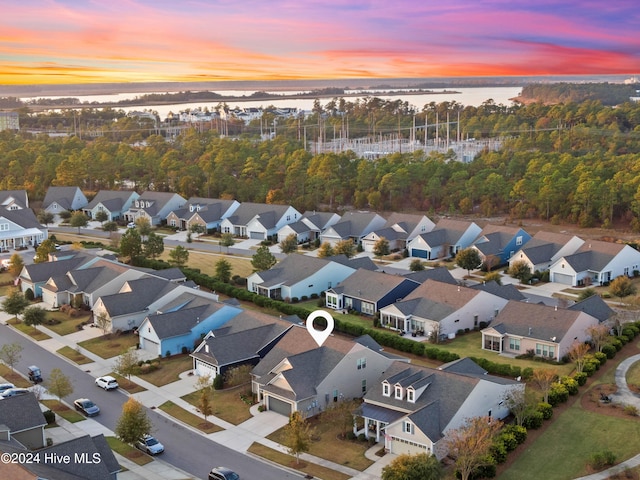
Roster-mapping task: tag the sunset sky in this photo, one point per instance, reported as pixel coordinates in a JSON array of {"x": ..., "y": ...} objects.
[{"x": 88, "y": 41}]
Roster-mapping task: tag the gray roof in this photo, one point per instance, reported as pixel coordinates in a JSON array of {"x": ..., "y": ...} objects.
[
  {"x": 144, "y": 291},
  {"x": 41, "y": 272},
  {"x": 318, "y": 219},
  {"x": 292, "y": 269},
  {"x": 440, "y": 274},
  {"x": 21, "y": 412},
  {"x": 20, "y": 197},
  {"x": 370, "y": 285},
  {"x": 364, "y": 263},
  {"x": 113, "y": 200},
  {"x": 540, "y": 253},
  {"x": 268, "y": 213},
  {"x": 493, "y": 243},
  {"x": 181, "y": 322},
  {"x": 157, "y": 201},
  {"x": 354, "y": 224},
  {"x": 508, "y": 292},
  {"x": 23, "y": 217},
  {"x": 594, "y": 306},
  {"x": 446, "y": 231},
  {"x": 63, "y": 196},
  {"x": 171, "y": 274}
]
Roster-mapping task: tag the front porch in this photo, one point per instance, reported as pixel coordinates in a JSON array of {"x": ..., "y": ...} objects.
[{"x": 376, "y": 419}]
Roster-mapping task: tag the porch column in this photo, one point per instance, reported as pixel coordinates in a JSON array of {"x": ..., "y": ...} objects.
[{"x": 377, "y": 430}]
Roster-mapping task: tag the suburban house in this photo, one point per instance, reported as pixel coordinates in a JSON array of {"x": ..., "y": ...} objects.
[
  {"x": 544, "y": 330},
  {"x": 508, "y": 291},
  {"x": 21, "y": 419},
  {"x": 127, "y": 309},
  {"x": 206, "y": 212},
  {"x": 154, "y": 206},
  {"x": 594, "y": 306},
  {"x": 180, "y": 325},
  {"x": 352, "y": 226},
  {"x": 367, "y": 292},
  {"x": 309, "y": 227},
  {"x": 297, "y": 375},
  {"x": 440, "y": 274},
  {"x": 63, "y": 199},
  {"x": 544, "y": 249},
  {"x": 35, "y": 275},
  {"x": 298, "y": 276},
  {"x": 19, "y": 227},
  {"x": 113, "y": 202},
  {"x": 496, "y": 244},
  {"x": 259, "y": 220},
  {"x": 413, "y": 407},
  {"x": 441, "y": 309},
  {"x": 399, "y": 229},
  {"x": 244, "y": 339},
  {"x": 446, "y": 239},
  {"x": 595, "y": 263}
]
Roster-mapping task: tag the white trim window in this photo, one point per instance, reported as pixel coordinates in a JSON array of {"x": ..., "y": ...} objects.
[
  {"x": 398, "y": 392},
  {"x": 386, "y": 389},
  {"x": 411, "y": 395},
  {"x": 407, "y": 427}
]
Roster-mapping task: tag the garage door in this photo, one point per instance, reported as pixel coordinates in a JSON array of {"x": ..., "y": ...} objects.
[
  {"x": 398, "y": 447},
  {"x": 279, "y": 406},
  {"x": 204, "y": 369},
  {"x": 419, "y": 253},
  {"x": 150, "y": 346},
  {"x": 563, "y": 279},
  {"x": 256, "y": 235}
]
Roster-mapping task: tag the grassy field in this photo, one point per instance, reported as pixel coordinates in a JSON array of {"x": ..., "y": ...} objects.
[
  {"x": 73, "y": 355},
  {"x": 327, "y": 444},
  {"x": 227, "y": 404},
  {"x": 33, "y": 332},
  {"x": 128, "y": 451},
  {"x": 67, "y": 324},
  {"x": 189, "y": 418},
  {"x": 169, "y": 371},
  {"x": 306, "y": 468},
  {"x": 69, "y": 414},
  {"x": 108, "y": 346}
]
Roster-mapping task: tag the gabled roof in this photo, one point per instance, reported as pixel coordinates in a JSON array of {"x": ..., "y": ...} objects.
[
  {"x": 508, "y": 292},
  {"x": 113, "y": 200},
  {"x": 41, "y": 272},
  {"x": 182, "y": 321},
  {"x": 407, "y": 221},
  {"x": 537, "y": 321},
  {"x": 440, "y": 274},
  {"x": 319, "y": 220},
  {"x": 18, "y": 197},
  {"x": 143, "y": 292},
  {"x": 292, "y": 269},
  {"x": 23, "y": 217},
  {"x": 156, "y": 200},
  {"x": 492, "y": 243},
  {"x": 171, "y": 274},
  {"x": 390, "y": 233},
  {"x": 63, "y": 196},
  {"x": 247, "y": 211},
  {"x": 353, "y": 224},
  {"x": 364, "y": 262},
  {"x": 370, "y": 285},
  {"x": 21, "y": 412},
  {"x": 594, "y": 306}
]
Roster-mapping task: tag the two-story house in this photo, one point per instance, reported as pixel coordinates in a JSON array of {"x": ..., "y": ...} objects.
[{"x": 154, "y": 206}]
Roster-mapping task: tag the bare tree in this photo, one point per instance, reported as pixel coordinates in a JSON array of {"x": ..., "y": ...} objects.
[
  {"x": 10, "y": 353},
  {"x": 577, "y": 354},
  {"x": 599, "y": 334},
  {"x": 543, "y": 378},
  {"x": 520, "y": 403},
  {"x": 103, "y": 323},
  {"x": 127, "y": 363},
  {"x": 59, "y": 384}
]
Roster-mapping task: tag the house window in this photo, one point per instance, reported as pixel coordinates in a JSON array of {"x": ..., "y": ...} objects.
[
  {"x": 348, "y": 303},
  {"x": 398, "y": 392},
  {"x": 364, "y": 386},
  {"x": 4, "y": 227},
  {"x": 335, "y": 395},
  {"x": 411, "y": 395},
  {"x": 362, "y": 363},
  {"x": 492, "y": 343},
  {"x": 55, "y": 206},
  {"x": 475, "y": 320},
  {"x": 519, "y": 240},
  {"x": 543, "y": 350},
  {"x": 386, "y": 390},
  {"x": 514, "y": 344},
  {"x": 332, "y": 301},
  {"x": 367, "y": 308},
  {"x": 407, "y": 427},
  {"x": 172, "y": 222}
]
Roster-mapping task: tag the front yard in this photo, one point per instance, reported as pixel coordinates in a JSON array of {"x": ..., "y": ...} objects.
[
  {"x": 167, "y": 370},
  {"x": 227, "y": 404},
  {"x": 33, "y": 332},
  {"x": 63, "y": 324},
  {"x": 189, "y": 418},
  {"x": 110, "y": 345}
]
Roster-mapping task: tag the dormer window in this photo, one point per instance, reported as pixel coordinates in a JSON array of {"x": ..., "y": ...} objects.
[
  {"x": 519, "y": 240},
  {"x": 398, "y": 392},
  {"x": 148, "y": 203},
  {"x": 411, "y": 395},
  {"x": 191, "y": 208},
  {"x": 386, "y": 389},
  {"x": 137, "y": 203}
]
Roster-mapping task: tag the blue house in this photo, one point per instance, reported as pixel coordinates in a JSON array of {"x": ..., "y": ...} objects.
[
  {"x": 496, "y": 244},
  {"x": 367, "y": 292},
  {"x": 181, "y": 327}
]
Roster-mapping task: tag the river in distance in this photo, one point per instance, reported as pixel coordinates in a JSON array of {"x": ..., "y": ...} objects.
[{"x": 471, "y": 96}]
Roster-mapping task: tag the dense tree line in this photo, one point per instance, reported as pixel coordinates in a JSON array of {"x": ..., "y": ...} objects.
[
  {"x": 607, "y": 93},
  {"x": 573, "y": 161}
]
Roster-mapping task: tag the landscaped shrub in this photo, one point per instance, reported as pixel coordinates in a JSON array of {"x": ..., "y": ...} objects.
[
  {"x": 509, "y": 440},
  {"x": 609, "y": 350},
  {"x": 518, "y": 431},
  {"x": 624, "y": 339},
  {"x": 362, "y": 437},
  {"x": 527, "y": 373},
  {"x": 545, "y": 409},
  {"x": 589, "y": 368},
  {"x": 558, "y": 394},
  {"x": 617, "y": 343},
  {"x": 351, "y": 435},
  {"x": 218, "y": 382},
  {"x": 185, "y": 350},
  {"x": 570, "y": 384},
  {"x": 600, "y": 460},
  {"x": 49, "y": 416},
  {"x": 499, "y": 450},
  {"x": 601, "y": 357},
  {"x": 631, "y": 410},
  {"x": 581, "y": 378},
  {"x": 533, "y": 421},
  {"x": 28, "y": 294}
]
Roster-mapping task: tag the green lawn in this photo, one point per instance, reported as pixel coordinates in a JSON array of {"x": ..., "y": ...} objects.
[
  {"x": 227, "y": 404},
  {"x": 128, "y": 451},
  {"x": 169, "y": 371},
  {"x": 67, "y": 324},
  {"x": 33, "y": 332},
  {"x": 110, "y": 345},
  {"x": 65, "y": 412},
  {"x": 311, "y": 469},
  {"x": 189, "y": 418},
  {"x": 74, "y": 355},
  {"x": 127, "y": 385}
]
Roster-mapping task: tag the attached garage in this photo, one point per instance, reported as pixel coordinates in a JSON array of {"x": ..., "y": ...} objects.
[
  {"x": 150, "y": 346},
  {"x": 399, "y": 446},
  {"x": 204, "y": 369},
  {"x": 256, "y": 235},
  {"x": 562, "y": 278},
  {"x": 419, "y": 253},
  {"x": 279, "y": 406}
]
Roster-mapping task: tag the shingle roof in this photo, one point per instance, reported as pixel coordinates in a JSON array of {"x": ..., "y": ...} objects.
[
  {"x": 594, "y": 306},
  {"x": 440, "y": 274},
  {"x": 41, "y": 272},
  {"x": 182, "y": 321},
  {"x": 113, "y": 200},
  {"x": 508, "y": 292},
  {"x": 144, "y": 291},
  {"x": 247, "y": 211},
  {"x": 63, "y": 196},
  {"x": 354, "y": 224},
  {"x": 21, "y": 412},
  {"x": 292, "y": 269},
  {"x": 370, "y": 285}
]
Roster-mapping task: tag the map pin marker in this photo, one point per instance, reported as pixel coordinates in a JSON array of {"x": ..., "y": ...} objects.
[{"x": 320, "y": 335}]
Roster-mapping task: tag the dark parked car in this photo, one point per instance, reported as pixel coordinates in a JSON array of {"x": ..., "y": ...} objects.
[
  {"x": 34, "y": 374},
  {"x": 87, "y": 407},
  {"x": 223, "y": 473}
]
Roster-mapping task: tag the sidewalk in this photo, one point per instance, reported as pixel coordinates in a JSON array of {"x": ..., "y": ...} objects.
[{"x": 237, "y": 437}]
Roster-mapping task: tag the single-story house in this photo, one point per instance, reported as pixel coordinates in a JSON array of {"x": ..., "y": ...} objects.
[
  {"x": 352, "y": 226},
  {"x": 399, "y": 229},
  {"x": 34, "y": 276},
  {"x": 259, "y": 220},
  {"x": 19, "y": 227},
  {"x": 154, "y": 206},
  {"x": 446, "y": 239},
  {"x": 207, "y": 212},
  {"x": 113, "y": 202},
  {"x": 544, "y": 330},
  {"x": 21, "y": 419},
  {"x": 544, "y": 249},
  {"x": 412, "y": 408},
  {"x": 63, "y": 199},
  {"x": 496, "y": 244},
  {"x": 309, "y": 227}
]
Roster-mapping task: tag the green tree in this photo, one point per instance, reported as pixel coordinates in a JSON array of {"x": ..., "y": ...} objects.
[
  {"x": 179, "y": 256},
  {"x": 227, "y": 240},
  {"x": 134, "y": 423},
  {"x": 204, "y": 386},
  {"x": 143, "y": 226},
  {"x": 110, "y": 227},
  {"x": 14, "y": 303},
  {"x": 381, "y": 247},
  {"x": 79, "y": 220},
  {"x": 263, "y": 259},
  {"x": 345, "y": 247},
  {"x": 622, "y": 287},
  {"x": 131, "y": 244},
  {"x": 198, "y": 229},
  {"x": 10, "y": 354},
  {"x": 586, "y": 293},
  {"x": 34, "y": 316},
  {"x": 413, "y": 467},
  {"x": 325, "y": 250},
  {"x": 520, "y": 270},
  {"x": 493, "y": 277},
  {"x": 416, "y": 265},
  {"x": 101, "y": 216},
  {"x": 16, "y": 264},
  {"x": 471, "y": 444},
  {"x": 127, "y": 363},
  {"x": 340, "y": 414},
  {"x": 154, "y": 246},
  {"x": 59, "y": 384},
  {"x": 298, "y": 435},
  {"x": 45, "y": 218},
  {"x": 289, "y": 244},
  {"x": 469, "y": 259},
  {"x": 223, "y": 270},
  {"x": 65, "y": 215},
  {"x": 44, "y": 249}
]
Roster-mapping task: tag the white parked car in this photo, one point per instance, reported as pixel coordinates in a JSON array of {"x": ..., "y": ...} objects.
[
  {"x": 150, "y": 445},
  {"x": 107, "y": 382}
]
